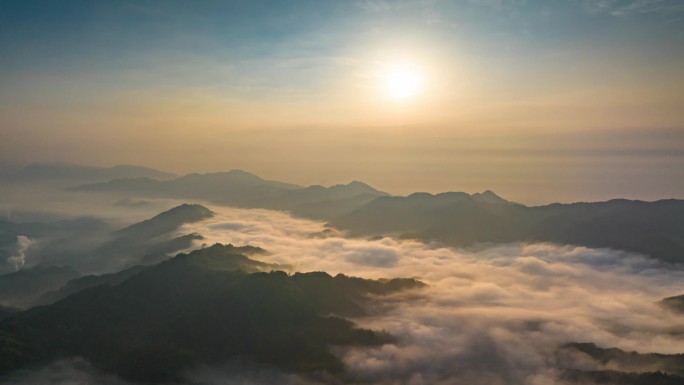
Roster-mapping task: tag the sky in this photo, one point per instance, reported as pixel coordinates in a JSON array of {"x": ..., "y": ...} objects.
[{"x": 540, "y": 101}]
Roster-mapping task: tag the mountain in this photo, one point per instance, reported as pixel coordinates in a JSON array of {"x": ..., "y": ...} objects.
[
  {"x": 453, "y": 218},
  {"x": 675, "y": 303},
  {"x": 457, "y": 219},
  {"x": 319, "y": 202},
  {"x": 227, "y": 180},
  {"x": 219, "y": 257},
  {"x": 165, "y": 222},
  {"x": 21, "y": 288},
  {"x": 146, "y": 242},
  {"x": 317, "y": 193},
  {"x": 332, "y": 208},
  {"x": 60, "y": 241},
  {"x": 618, "y": 367},
  {"x": 191, "y": 310},
  {"x": 160, "y": 250},
  {"x": 630, "y": 361},
  {"x": 74, "y": 172},
  {"x": 86, "y": 282},
  {"x": 416, "y": 212},
  {"x": 216, "y": 257},
  {"x": 488, "y": 196},
  {"x": 7, "y": 311},
  {"x": 242, "y": 189},
  {"x": 320, "y": 287},
  {"x": 93, "y": 246},
  {"x": 613, "y": 377},
  {"x": 236, "y": 186}
]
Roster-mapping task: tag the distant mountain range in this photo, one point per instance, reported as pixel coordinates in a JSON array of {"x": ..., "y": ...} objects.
[
  {"x": 453, "y": 218},
  {"x": 147, "y": 317},
  {"x": 52, "y": 171},
  {"x": 652, "y": 228},
  {"x": 242, "y": 189}
]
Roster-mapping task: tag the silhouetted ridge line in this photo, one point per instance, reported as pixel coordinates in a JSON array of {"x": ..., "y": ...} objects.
[{"x": 452, "y": 218}]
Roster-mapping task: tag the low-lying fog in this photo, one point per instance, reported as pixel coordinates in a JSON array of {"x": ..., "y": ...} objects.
[{"x": 492, "y": 315}]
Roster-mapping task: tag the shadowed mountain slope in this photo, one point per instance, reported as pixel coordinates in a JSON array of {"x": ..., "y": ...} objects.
[
  {"x": 617, "y": 367},
  {"x": 165, "y": 222},
  {"x": 191, "y": 310},
  {"x": 112, "y": 251},
  {"x": 92, "y": 246},
  {"x": 21, "y": 288},
  {"x": 216, "y": 257},
  {"x": 651, "y": 228},
  {"x": 675, "y": 303}
]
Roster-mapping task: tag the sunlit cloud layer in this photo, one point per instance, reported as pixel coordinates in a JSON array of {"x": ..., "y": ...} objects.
[
  {"x": 496, "y": 314},
  {"x": 493, "y": 315}
]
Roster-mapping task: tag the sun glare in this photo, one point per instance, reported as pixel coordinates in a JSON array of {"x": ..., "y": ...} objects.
[{"x": 403, "y": 82}]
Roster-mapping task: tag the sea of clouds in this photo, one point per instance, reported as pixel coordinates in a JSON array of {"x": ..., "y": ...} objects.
[{"x": 496, "y": 314}]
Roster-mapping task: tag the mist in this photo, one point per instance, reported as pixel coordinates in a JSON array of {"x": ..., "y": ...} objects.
[
  {"x": 368, "y": 192},
  {"x": 18, "y": 260},
  {"x": 496, "y": 314}
]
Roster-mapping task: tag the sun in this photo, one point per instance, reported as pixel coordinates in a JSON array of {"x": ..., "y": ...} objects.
[{"x": 403, "y": 82}]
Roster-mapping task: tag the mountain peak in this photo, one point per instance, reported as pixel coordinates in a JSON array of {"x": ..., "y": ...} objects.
[
  {"x": 243, "y": 173},
  {"x": 361, "y": 186},
  {"x": 225, "y": 257},
  {"x": 167, "y": 221},
  {"x": 488, "y": 196}
]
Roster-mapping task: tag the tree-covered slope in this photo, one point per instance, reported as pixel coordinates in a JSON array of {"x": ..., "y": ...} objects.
[
  {"x": 193, "y": 309},
  {"x": 651, "y": 228}
]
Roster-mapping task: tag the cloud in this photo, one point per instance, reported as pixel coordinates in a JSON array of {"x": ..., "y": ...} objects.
[
  {"x": 65, "y": 372},
  {"x": 493, "y": 315},
  {"x": 489, "y": 315},
  {"x": 18, "y": 260},
  {"x": 599, "y": 6},
  {"x": 374, "y": 256},
  {"x": 669, "y": 7},
  {"x": 635, "y": 7},
  {"x": 375, "y": 6}
]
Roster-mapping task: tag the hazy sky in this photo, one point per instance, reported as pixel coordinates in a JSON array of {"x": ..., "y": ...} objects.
[{"x": 556, "y": 100}]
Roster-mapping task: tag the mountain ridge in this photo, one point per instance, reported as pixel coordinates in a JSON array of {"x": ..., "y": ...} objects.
[
  {"x": 184, "y": 312},
  {"x": 462, "y": 220},
  {"x": 71, "y": 171}
]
